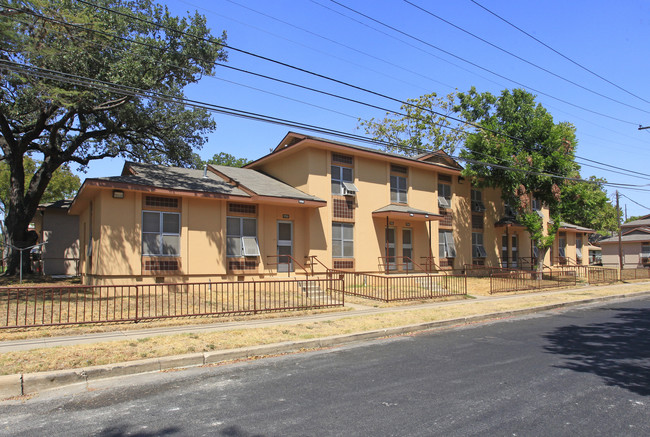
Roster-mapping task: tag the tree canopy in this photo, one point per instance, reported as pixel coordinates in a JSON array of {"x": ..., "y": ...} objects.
[
  {"x": 64, "y": 183},
  {"x": 422, "y": 126},
  {"x": 222, "y": 158},
  {"x": 86, "y": 81},
  {"x": 522, "y": 151},
  {"x": 586, "y": 204}
]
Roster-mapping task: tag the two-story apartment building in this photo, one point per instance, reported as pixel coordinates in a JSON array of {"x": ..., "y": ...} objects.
[{"x": 310, "y": 204}]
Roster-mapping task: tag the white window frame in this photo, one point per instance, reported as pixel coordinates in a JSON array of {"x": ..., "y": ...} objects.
[
  {"x": 342, "y": 240},
  {"x": 446, "y": 245},
  {"x": 247, "y": 244},
  {"x": 161, "y": 233},
  {"x": 579, "y": 246}
]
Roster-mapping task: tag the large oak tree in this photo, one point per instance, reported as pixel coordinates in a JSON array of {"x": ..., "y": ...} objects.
[
  {"x": 62, "y": 65},
  {"x": 521, "y": 150}
]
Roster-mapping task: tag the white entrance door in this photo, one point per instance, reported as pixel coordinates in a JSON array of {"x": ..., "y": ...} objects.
[{"x": 285, "y": 246}]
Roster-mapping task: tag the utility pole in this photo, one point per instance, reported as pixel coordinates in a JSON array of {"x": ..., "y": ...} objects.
[{"x": 618, "y": 220}]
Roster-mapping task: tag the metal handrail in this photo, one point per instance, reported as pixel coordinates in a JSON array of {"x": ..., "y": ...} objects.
[
  {"x": 532, "y": 262},
  {"x": 385, "y": 258},
  {"x": 288, "y": 263},
  {"x": 314, "y": 258},
  {"x": 429, "y": 261}
]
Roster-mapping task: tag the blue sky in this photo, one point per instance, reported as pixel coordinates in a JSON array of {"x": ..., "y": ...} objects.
[{"x": 326, "y": 38}]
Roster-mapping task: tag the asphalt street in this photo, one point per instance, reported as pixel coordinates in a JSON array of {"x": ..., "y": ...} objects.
[{"x": 577, "y": 372}]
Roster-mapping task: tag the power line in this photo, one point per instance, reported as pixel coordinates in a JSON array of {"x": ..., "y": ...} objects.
[
  {"x": 330, "y": 40},
  {"x": 479, "y": 66},
  {"x": 136, "y": 92},
  {"x": 558, "y": 53},
  {"x": 426, "y": 11},
  {"x": 333, "y": 95},
  {"x": 634, "y": 201}
]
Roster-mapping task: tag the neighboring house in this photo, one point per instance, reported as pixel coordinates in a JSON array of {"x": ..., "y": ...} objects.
[
  {"x": 635, "y": 245},
  {"x": 310, "y": 203},
  {"x": 60, "y": 232}
]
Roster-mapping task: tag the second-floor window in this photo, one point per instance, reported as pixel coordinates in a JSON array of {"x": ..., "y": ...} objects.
[
  {"x": 340, "y": 176},
  {"x": 477, "y": 201},
  {"x": 444, "y": 195},
  {"x": 398, "y": 184}
]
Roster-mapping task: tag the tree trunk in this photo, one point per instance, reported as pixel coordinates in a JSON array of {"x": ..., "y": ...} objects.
[
  {"x": 541, "y": 252},
  {"x": 17, "y": 239}
]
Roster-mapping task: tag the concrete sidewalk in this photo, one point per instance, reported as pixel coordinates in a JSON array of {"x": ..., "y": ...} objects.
[
  {"x": 355, "y": 310},
  {"x": 24, "y": 384}
]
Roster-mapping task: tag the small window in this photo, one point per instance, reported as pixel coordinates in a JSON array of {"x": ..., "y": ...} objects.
[
  {"x": 161, "y": 202},
  {"x": 444, "y": 195},
  {"x": 398, "y": 189},
  {"x": 478, "y": 251},
  {"x": 477, "y": 201},
  {"x": 447, "y": 248},
  {"x": 242, "y": 208}
]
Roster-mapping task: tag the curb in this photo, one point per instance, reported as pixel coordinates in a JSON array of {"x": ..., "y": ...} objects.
[{"x": 30, "y": 383}]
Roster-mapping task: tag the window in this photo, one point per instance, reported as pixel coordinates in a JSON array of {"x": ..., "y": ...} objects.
[
  {"x": 241, "y": 237},
  {"x": 579, "y": 246},
  {"x": 447, "y": 248},
  {"x": 342, "y": 176},
  {"x": 342, "y": 240},
  {"x": 537, "y": 205},
  {"x": 645, "y": 250},
  {"x": 510, "y": 211},
  {"x": 478, "y": 251},
  {"x": 477, "y": 221},
  {"x": 161, "y": 233},
  {"x": 444, "y": 195},
  {"x": 477, "y": 201},
  {"x": 398, "y": 184},
  {"x": 562, "y": 245}
]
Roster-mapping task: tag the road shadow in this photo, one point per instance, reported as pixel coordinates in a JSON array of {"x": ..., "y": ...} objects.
[{"x": 618, "y": 352}]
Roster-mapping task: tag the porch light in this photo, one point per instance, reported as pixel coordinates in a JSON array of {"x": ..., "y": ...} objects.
[
  {"x": 118, "y": 194},
  {"x": 411, "y": 214},
  {"x": 301, "y": 202}
]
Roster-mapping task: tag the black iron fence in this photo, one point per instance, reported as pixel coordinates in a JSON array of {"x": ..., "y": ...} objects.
[
  {"x": 388, "y": 288},
  {"x": 530, "y": 280},
  {"x": 46, "y": 306}
]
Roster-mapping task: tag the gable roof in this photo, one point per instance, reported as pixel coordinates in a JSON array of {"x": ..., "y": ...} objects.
[
  {"x": 293, "y": 140},
  {"x": 641, "y": 221},
  {"x": 214, "y": 181},
  {"x": 174, "y": 178}
]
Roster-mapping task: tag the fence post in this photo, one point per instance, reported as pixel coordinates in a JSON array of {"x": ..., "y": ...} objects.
[
  {"x": 386, "y": 287},
  {"x": 254, "y": 297},
  {"x": 137, "y": 302}
]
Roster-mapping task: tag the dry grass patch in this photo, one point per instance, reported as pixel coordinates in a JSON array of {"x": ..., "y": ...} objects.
[{"x": 119, "y": 351}]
